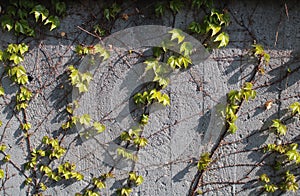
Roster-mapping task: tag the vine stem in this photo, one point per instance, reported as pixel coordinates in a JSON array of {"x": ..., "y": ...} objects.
[{"x": 196, "y": 181}]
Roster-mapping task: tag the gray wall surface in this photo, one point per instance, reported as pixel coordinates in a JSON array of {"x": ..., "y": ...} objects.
[{"x": 177, "y": 134}]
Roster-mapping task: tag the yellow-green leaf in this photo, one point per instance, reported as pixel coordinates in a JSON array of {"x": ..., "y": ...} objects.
[
  {"x": 99, "y": 127},
  {"x": 223, "y": 38},
  {"x": 1, "y": 173},
  {"x": 177, "y": 34}
]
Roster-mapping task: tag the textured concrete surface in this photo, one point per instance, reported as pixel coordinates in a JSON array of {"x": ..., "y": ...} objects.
[{"x": 177, "y": 134}]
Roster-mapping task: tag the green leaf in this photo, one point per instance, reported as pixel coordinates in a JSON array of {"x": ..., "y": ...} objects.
[
  {"x": 281, "y": 129},
  {"x": 103, "y": 53},
  {"x": 7, "y": 22},
  {"x": 232, "y": 127},
  {"x": 60, "y": 8},
  {"x": 99, "y": 127},
  {"x": 185, "y": 61},
  {"x": 223, "y": 38},
  {"x": 22, "y": 48},
  {"x": 186, "y": 48},
  {"x": 264, "y": 178},
  {"x": 144, "y": 119},
  {"x": 177, "y": 34},
  {"x": 2, "y": 147},
  {"x": 86, "y": 77},
  {"x": 1, "y": 55},
  {"x": 43, "y": 187},
  {"x": 215, "y": 29},
  {"x": 270, "y": 188},
  {"x": 222, "y": 18},
  {"x": 197, "y": 3},
  {"x": 164, "y": 99},
  {"x": 26, "y": 126},
  {"x": 125, "y": 136},
  {"x": 82, "y": 87},
  {"x": 295, "y": 107},
  {"x": 197, "y": 28},
  {"x": 28, "y": 181},
  {"x": 139, "y": 180},
  {"x": 163, "y": 82},
  {"x": 99, "y": 183},
  {"x": 176, "y": 5},
  {"x": 173, "y": 62},
  {"x": 267, "y": 58},
  {"x": 6, "y": 158},
  {"x": 159, "y": 9},
  {"x": 54, "y": 21},
  {"x": 16, "y": 58},
  {"x": 233, "y": 96},
  {"x": 151, "y": 64},
  {"x": 125, "y": 191},
  {"x": 143, "y": 142},
  {"x": 19, "y": 27},
  {"x": 2, "y": 92},
  {"x": 1, "y": 173},
  {"x": 258, "y": 49},
  {"x": 204, "y": 161},
  {"x": 38, "y": 11},
  {"x": 85, "y": 119},
  {"x": 292, "y": 155}
]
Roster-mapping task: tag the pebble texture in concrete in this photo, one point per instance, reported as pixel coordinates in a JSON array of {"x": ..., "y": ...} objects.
[{"x": 177, "y": 134}]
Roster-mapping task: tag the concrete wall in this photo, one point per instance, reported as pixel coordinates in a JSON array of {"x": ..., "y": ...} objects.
[{"x": 177, "y": 134}]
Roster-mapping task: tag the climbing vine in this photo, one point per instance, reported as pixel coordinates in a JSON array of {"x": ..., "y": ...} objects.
[{"x": 45, "y": 165}]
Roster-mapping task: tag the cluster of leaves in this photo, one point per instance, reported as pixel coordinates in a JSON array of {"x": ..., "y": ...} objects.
[
  {"x": 90, "y": 129},
  {"x": 264, "y": 58},
  {"x": 12, "y": 56},
  {"x": 148, "y": 97},
  {"x": 99, "y": 30},
  {"x": 79, "y": 80},
  {"x": 18, "y": 13},
  {"x": 132, "y": 136},
  {"x": 287, "y": 157},
  {"x": 112, "y": 11},
  {"x": 175, "y": 61},
  {"x": 288, "y": 183},
  {"x": 133, "y": 180},
  {"x": 123, "y": 152},
  {"x": 49, "y": 151},
  {"x": 176, "y": 5},
  {"x": 5, "y": 159},
  {"x": 22, "y": 99},
  {"x": 97, "y": 184},
  {"x": 235, "y": 99},
  {"x": 213, "y": 24},
  {"x": 92, "y": 50},
  {"x": 197, "y": 4},
  {"x": 204, "y": 161},
  {"x": 289, "y": 151},
  {"x": 279, "y": 127}
]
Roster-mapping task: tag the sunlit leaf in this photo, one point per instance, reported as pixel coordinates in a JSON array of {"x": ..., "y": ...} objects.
[
  {"x": 177, "y": 34},
  {"x": 295, "y": 107},
  {"x": 186, "y": 48},
  {"x": 223, "y": 38},
  {"x": 54, "y": 21},
  {"x": 99, "y": 127},
  {"x": 85, "y": 119}
]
